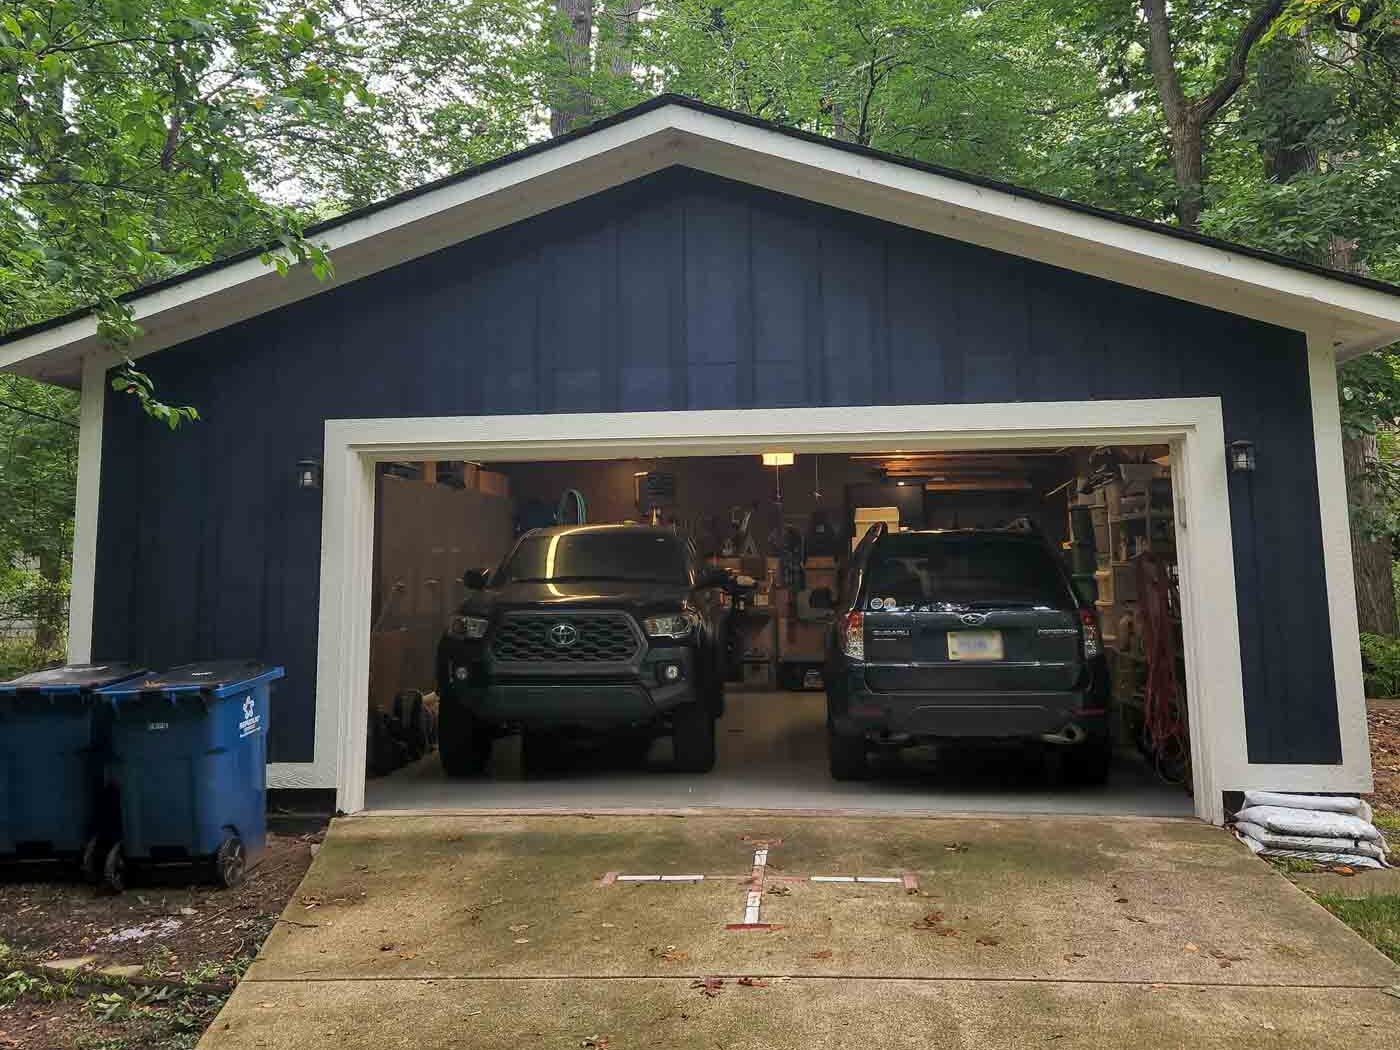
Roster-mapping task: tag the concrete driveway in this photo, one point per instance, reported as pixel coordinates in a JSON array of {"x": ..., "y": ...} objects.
[{"x": 551, "y": 931}]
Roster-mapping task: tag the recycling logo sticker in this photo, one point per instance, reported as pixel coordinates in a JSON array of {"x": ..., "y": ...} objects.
[{"x": 252, "y": 721}]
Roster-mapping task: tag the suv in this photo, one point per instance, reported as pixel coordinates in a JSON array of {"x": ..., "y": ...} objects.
[
  {"x": 965, "y": 634},
  {"x": 584, "y": 629}
]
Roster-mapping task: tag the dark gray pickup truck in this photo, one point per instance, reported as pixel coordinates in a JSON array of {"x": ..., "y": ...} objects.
[{"x": 584, "y": 630}]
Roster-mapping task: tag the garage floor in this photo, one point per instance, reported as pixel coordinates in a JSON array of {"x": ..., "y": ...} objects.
[
  {"x": 488, "y": 932},
  {"x": 772, "y": 755}
]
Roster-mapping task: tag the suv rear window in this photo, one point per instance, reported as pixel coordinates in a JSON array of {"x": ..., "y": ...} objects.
[
  {"x": 987, "y": 571},
  {"x": 599, "y": 554}
]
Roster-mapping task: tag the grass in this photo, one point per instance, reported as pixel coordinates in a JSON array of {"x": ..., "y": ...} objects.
[{"x": 1375, "y": 918}]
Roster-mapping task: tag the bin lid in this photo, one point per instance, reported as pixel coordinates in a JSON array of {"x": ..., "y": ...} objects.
[
  {"x": 71, "y": 679},
  {"x": 214, "y": 678}
]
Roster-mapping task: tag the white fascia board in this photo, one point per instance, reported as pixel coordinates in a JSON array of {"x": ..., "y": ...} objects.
[
  {"x": 1017, "y": 225},
  {"x": 1362, "y": 318}
]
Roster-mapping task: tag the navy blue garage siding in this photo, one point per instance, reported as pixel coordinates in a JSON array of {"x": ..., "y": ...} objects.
[{"x": 681, "y": 291}]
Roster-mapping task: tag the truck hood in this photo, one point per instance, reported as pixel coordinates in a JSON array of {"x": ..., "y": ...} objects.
[{"x": 580, "y": 594}]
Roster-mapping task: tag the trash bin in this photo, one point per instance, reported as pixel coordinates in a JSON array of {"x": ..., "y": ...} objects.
[
  {"x": 51, "y": 743},
  {"x": 189, "y": 757}
]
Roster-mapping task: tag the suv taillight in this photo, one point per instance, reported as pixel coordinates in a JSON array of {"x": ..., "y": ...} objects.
[
  {"x": 1093, "y": 637},
  {"x": 853, "y": 635}
]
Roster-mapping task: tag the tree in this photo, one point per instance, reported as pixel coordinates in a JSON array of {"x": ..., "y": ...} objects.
[
  {"x": 1188, "y": 115},
  {"x": 38, "y": 473}
]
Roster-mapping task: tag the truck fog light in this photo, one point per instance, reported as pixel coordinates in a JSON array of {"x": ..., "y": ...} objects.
[
  {"x": 460, "y": 674},
  {"x": 670, "y": 672}
]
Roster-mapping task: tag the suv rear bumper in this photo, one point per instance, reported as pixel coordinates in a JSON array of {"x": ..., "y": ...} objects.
[{"x": 855, "y": 709}]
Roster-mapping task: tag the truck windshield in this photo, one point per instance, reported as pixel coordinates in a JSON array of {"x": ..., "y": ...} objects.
[
  {"x": 599, "y": 554},
  {"x": 971, "y": 571}
]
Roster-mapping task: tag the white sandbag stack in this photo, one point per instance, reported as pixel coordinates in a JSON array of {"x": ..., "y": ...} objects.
[{"x": 1321, "y": 828}]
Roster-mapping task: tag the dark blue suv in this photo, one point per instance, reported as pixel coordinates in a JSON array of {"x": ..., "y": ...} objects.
[{"x": 964, "y": 635}]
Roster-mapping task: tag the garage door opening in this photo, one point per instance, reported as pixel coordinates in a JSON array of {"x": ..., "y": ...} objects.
[{"x": 783, "y": 531}]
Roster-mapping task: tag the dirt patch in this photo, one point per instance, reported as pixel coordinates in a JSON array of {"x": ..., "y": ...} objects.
[
  {"x": 181, "y": 943},
  {"x": 1384, "y": 719}
]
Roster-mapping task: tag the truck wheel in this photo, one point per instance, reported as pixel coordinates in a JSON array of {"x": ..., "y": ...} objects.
[
  {"x": 693, "y": 736},
  {"x": 1088, "y": 763},
  {"x": 464, "y": 744},
  {"x": 847, "y": 755}
]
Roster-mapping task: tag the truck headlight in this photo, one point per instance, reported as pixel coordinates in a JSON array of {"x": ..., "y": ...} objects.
[
  {"x": 469, "y": 627},
  {"x": 673, "y": 625}
]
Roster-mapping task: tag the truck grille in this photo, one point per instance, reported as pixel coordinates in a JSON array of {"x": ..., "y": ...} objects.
[{"x": 572, "y": 638}]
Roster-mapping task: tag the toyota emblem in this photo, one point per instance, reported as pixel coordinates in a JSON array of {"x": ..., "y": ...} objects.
[
  {"x": 563, "y": 635},
  {"x": 973, "y": 619}
]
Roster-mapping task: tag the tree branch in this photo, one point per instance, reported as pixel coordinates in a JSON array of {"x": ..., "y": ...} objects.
[{"x": 1210, "y": 104}]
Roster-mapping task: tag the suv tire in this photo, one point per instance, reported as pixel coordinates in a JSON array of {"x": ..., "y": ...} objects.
[
  {"x": 848, "y": 756},
  {"x": 464, "y": 744},
  {"x": 1088, "y": 763},
  {"x": 693, "y": 736}
]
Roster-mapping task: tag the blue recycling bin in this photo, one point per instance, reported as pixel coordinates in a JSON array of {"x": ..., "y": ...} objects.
[
  {"x": 189, "y": 758},
  {"x": 51, "y": 743}
]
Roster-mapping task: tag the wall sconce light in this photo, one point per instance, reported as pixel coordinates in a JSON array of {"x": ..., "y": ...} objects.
[
  {"x": 777, "y": 459},
  {"x": 308, "y": 473},
  {"x": 1241, "y": 456}
]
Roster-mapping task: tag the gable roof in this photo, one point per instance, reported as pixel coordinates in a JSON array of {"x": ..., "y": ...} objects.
[{"x": 1355, "y": 313}]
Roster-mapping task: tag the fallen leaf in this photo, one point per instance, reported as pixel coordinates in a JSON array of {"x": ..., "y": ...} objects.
[
  {"x": 1191, "y": 947},
  {"x": 1344, "y": 869},
  {"x": 597, "y": 1042},
  {"x": 267, "y": 1006},
  {"x": 1120, "y": 900},
  {"x": 931, "y": 921},
  {"x": 522, "y": 940},
  {"x": 518, "y": 927},
  {"x": 609, "y": 925},
  {"x": 1268, "y": 1026},
  {"x": 1075, "y": 955},
  {"x": 709, "y": 986},
  {"x": 989, "y": 942},
  {"x": 780, "y": 891},
  {"x": 386, "y": 947},
  {"x": 668, "y": 954},
  {"x": 1137, "y": 918},
  {"x": 753, "y": 982},
  {"x": 955, "y": 847},
  {"x": 408, "y": 955},
  {"x": 948, "y": 931},
  {"x": 823, "y": 955}
]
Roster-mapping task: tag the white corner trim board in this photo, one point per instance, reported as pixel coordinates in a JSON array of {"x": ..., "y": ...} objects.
[
  {"x": 1357, "y": 318},
  {"x": 84, "y": 571},
  {"x": 1193, "y": 427}
]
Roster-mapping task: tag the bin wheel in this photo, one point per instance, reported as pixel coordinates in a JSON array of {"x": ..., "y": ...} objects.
[
  {"x": 230, "y": 862},
  {"x": 91, "y": 863},
  {"x": 114, "y": 869}
]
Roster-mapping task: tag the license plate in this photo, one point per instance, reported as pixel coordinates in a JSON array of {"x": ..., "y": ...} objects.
[{"x": 975, "y": 645}]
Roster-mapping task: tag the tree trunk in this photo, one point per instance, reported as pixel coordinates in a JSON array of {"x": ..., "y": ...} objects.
[
  {"x": 1371, "y": 558},
  {"x": 569, "y": 102},
  {"x": 1190, "y": 172},
  {"x": 49, "y": 612},
  {"x": 616, "y": 40}
]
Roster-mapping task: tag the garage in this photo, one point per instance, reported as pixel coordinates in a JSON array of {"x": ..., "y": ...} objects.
[
  {"x": 783, "y": 528},
  {"x": 682, "y": 285}
]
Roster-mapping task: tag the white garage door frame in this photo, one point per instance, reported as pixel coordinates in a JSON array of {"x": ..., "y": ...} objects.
[{"x": 1191, "y": 426}]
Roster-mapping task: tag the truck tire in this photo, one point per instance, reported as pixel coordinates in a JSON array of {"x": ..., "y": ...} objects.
[
  {"x": 1087, "y": 764},
  {"x": 693, "y": 736},
  {"x": 464, "y": 744},
  {"x": 847, "y": 756}
]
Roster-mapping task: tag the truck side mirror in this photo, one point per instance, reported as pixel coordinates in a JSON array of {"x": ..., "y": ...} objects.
[{"x": 475, "y": 579}]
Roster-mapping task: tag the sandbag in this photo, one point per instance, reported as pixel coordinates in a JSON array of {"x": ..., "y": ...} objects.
[
  {"x": 1352, "y": 860},
  {"x": 1324, "y": 803},
  {"x": 1307, "y": 844},
  {"x": 1310, "y": 822}
]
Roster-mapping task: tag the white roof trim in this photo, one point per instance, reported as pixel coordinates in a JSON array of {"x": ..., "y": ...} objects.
[{"x": 1357, "y": 318}]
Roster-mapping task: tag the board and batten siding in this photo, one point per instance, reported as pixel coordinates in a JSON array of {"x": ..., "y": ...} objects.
[{"x": 678, "y": 291}]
